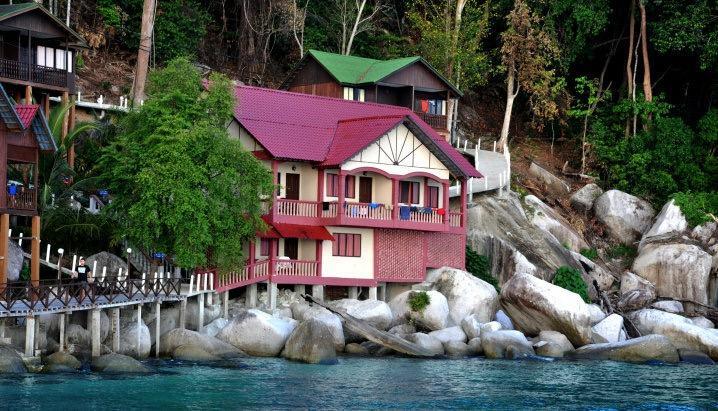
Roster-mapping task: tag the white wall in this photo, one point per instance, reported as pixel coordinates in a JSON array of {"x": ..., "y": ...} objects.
[
  {"x": 307, "y": 179},
  {"x": 349, "y": 267}
]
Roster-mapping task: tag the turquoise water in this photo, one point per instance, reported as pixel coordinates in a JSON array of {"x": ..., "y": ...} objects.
[{"x": 366, "y": 383}]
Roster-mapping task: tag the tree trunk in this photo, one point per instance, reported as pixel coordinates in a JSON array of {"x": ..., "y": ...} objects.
[
  {"x": 511, "y": 92},
  {"x": 460, "y": 4},
  {"x": 360, "y": 11},
  {"x": 629, "y": 61},
  {"x": 647, "y": 91},
  {"x": 143, "y": 54}
]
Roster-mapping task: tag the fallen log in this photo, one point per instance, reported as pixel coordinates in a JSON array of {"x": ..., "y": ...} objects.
[{"x": 383, "y": 338}]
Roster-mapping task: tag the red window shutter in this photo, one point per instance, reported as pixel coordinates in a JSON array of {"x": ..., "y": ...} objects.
[
  {"x": 349, "y": 250},
  {"x": 405, "y": 189},
  {"x": 433, "y": 200},
  {"x": 335, "y": 244},
  {"x": 357, "y": 245},
  {"x": 349, "y": 186},
  {"x": 264, "y": 247},
  {"x": 332, "y": 185},
  {"x": 415, "y": 193}
]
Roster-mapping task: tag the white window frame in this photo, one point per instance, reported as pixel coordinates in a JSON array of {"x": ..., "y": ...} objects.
[
  {"x": 49, "y": 57},
  {"x": 41, "y": 57},
  {"x": 60, "y": 59}
]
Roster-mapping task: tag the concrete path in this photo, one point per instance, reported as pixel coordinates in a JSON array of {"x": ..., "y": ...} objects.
[{"x": 492, "y": 165}]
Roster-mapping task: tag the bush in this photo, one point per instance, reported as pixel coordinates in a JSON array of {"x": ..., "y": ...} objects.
[
  {"x": 570, "y": 279},
  {"x": 590, "y": 253},
  {"x": 418, "y": 301},
  {"x": 622, "y": 251},
  {"x": 697, "y": 207},
  {"x": 478, "y": 265}
]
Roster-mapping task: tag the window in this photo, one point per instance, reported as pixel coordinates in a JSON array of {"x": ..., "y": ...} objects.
[
  {"x": 55, "y": 58},
  {"x": 60, "y": 59},
  {"x": 332, "y": 185},
  {"x": 354, "y": 93},
  {"x": 40, "y": 55},
  {"x": 409, "y": 192},
  {"x": 264, "y": 247},
  {"x": 432, "y": 106},
  {"x": 279, "y": 184},
  {"x": 346, "y": 245},
  {"x": 349, "y": 187},
  {"x": 433, "y": 200}
]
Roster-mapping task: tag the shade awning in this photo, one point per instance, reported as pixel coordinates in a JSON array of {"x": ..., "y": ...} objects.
[
  {"x": 270, "y": 232},
  {"x": 303, "y": 231}
]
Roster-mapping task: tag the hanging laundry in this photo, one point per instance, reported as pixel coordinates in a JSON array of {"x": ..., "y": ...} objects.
[
  {"x": 424, "y": 106},
  {"x": 325, "y": 206},
  {"x": 404, "y": 212},
  {"x": 373, "y": 205},
  {"x": 441, "y": 211},
  {"x": 427, "y": 210},
  {"x": 414, "y": 209}
]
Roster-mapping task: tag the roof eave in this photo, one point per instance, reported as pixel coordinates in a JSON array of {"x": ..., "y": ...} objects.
[
  {"x": 432, "y": 69},
  {"x": 38, "y": 6}
]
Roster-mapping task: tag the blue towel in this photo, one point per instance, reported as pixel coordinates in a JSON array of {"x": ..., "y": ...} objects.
[
  {"x": 414, "y": 209},
  {"x": 404, "y": 212},
  {"x": 373, "y": 205},
  {"x": 427, "y": 210}
]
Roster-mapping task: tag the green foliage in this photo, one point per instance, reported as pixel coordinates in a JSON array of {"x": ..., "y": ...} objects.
[
  {"x": 418, "y": 301},
  {"x": 622, "y": 251},
  {"x": 698, "y": 207},
  {"x": 570, "y": 279},
  {"x": 24, "y": 272},
  {"x": 180, "y": 25},
  {"x": 590, "y": 253},
  {"x": 478, "y": 265},
  {"x": 180, "y": 185}
]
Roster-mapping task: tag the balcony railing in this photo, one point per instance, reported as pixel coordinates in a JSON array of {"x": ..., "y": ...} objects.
[
  {"x": 455, "y": 219},
  {"x": 367, "y": 211},
  {"x": 436, "y": 121},
  {"x": 296, "y": 268},
  {"x": 17, "y": 70},
  {"x": 24, "y": 200},
  {"x": 262, "y": 271},
  {"x": 422, "y": 215}
]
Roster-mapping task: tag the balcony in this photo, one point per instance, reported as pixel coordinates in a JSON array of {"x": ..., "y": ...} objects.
[
  {"x": 20, "y": 72},
  {"x": 436, "y": 121},
  {"x": 24, "y": 202}
]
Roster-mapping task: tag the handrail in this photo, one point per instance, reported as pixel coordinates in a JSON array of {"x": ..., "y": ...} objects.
[
  {"x": 367, "y": 211},
  {"x": 454, "y": 219},
  {"x": 18, "y": 70}
]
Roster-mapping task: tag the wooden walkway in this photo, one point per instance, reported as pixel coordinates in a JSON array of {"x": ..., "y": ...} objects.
[{"x": 493, "y": 165}]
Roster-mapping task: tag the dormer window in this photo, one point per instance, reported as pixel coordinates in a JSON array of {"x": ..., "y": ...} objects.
[{"x": 354, "y": 93}]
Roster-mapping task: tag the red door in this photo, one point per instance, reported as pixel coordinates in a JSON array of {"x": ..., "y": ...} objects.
[
  {"x": 365, "y": 189},
  {"x": 292, "y": 186}
]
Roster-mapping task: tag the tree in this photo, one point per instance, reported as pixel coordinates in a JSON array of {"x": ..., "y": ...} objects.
[
  {"x": 143, "y": 53},
  {"x": 352, "y": 20},
  {"x": 298, "y": 17},
  {"x": 180, "y": 185},
  {"x": 527, "y": 53}
]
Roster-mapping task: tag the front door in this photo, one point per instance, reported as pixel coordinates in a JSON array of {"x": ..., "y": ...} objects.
[
  {"x": 291, "y": 248},
  {"x": 365, "y": 189},
  {"x": 292, "y": 186}
]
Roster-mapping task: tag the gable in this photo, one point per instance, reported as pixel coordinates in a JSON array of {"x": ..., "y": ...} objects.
[
  {"x": 249, "y": 143},
  {"x": 399, "y": 152},
  {"x": 419, "y": 76}
]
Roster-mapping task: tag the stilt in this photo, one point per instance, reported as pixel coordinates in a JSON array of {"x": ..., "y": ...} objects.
[
  {"x": 382, "y": 292},
  {"x": 139, "y": 325},
  {"x": 272, "y": 294},
  {"x": 36, "y": 345},
  {"x": 35, "y": 252},
  {"x": 353, "y": 292},
  {"x": 95, "y": 325},
  {"x": 300, "y": 289},
  {"x": 63, "y": 320},
  {"x": 318, "y": 292},
  {"x": 372, "y": 293},
  {"x": 30, "y": 336},
  {"x": 183, "y": 314},
  {"x": 225, "y": 304},
  {"x": 251, "y": 300},
  {"x": 115, "y": 330},
  {"x": 157, "y": 329},
  {"x": 28, "y": 94},
  {"x": 3, "y": 340},
  {"x": 4, "y": 229},
  {"x": 200, "y": 313}
]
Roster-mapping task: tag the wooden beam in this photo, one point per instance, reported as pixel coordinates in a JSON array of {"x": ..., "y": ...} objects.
[
  {"x": 28, "y": 94},
  {"x": 35, "y": 252},
  {"x": 4, "y": 228}
]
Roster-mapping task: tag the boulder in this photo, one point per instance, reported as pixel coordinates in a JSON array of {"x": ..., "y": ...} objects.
[
  {"x": 504, "y": 320},
  {"x": 548, "y": 349},
  {"x": 427, "y": 342},
  {"x": 550, "y": 182},
  {"x": 596, "y": 313},
  {"x": 545, "y": 218},
  {"x": 257, "y": 333},
  {"x": 535, "y": 305},
  {"x": 626, "y": 217},
  {"x": 449, "y": 334},
  {"x": 695, "y": 357},
  {"x": 311, "y": 342},
  {"x": 475, "y": 347},
  {"x": 703, "y": 322},
  {"x": 356, "y": 349},
  {"x": 505, "y": 344},
  {"x": 669, "y": 220},
  {"x": 498, "y": 228},
  {"x": 188, "y": 338},
  {"x": 61, "y": 362},
  {"x": 135, "y": 339},
  {"x": 169, "y": 320},
  {"x": 373, "y": 312},
  {"x": 679, "y": 330},
  {"x": 559, "y": 342},
  {"x": 456, "y": 349},
  {"x": 211, "y": 313},
  {"x": 678, "y": 271},
  {"x": 594, "y": 271},
  {"x": 77, "y": 334},
  {"x": 642, "y": 349},
  {"x": 630, "y": 282},
  {"x": 669, "y": 306},
  {"x": 193, "y": 353},
  {"x": 15, "y": 261},
  {"x": 109, "y": 260},
  {"x": 402, "y": 329},
  {"x": 471, "y": 325},
  {"x": 118, "y": 364},
  {"x": 490, "y": 326},
  {"x": 582, "y": 200},
  {"x": 434, "y": 316},
  {"x": 329, "y": 319},
  {"x": 10, "y": 361},
  {"x": 635, "y": 299},
  {"x": 705, "y": 232},
  {"x": 609, "y": 330},
  {"x": 213, "y": 328},
  {"x": 465, "y": 294}
]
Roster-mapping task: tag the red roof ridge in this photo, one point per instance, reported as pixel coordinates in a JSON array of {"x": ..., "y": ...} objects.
[{"x": 348, "y": 120}]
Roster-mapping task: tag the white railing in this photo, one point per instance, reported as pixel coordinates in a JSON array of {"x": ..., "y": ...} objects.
[
  {"x": 422, "y": 216},
  {"x": 297, "y": 208},
  {"x": 367, "y": 211},
  {"x": 455, "y": 219},
  {"x": 297, "y": 268}
]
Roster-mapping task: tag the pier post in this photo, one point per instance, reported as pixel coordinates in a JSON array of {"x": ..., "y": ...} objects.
[
  {"x": 251, "y": 300},
  {"x": 95, "y": 331},
  {"x": 30, "y": 336},
  {"x": 63, "y": 320},
  {"x": 183, "y": 314},
  {"x": 4, "y": 229},
  {"x": 115, "y": 330},
  {"x": 372, "y": 293},
  {"x": 225, "y": 304},
  {"x": 300, "y": 289},
  {"x": 157, "y": 329},
  {"x": 272, "y": 294},
  {"x": 318, "y": 292},
  {"x": 382, "y": 292},
  {"x": 200, "y": 313},
  {"x": 35, "y": 252},
  {"x": 353, "y": 292},
  {"x": 139, "y": 325}
]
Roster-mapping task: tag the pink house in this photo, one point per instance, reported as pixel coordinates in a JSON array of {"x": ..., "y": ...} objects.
[{"x": 363, "y": 197}]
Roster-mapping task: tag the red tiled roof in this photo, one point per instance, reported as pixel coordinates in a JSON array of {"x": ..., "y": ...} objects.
[
  {"x": 26, "y": 112},
  {"x": 305, "y": 127}
]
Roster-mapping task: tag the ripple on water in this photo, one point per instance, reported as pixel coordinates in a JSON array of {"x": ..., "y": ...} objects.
[{"x": 366, "y": 383}]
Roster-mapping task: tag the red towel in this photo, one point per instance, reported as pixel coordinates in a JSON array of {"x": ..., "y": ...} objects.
[
  {"x": 424, "y": 106},
  {"x": 441, "y": 211}
]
